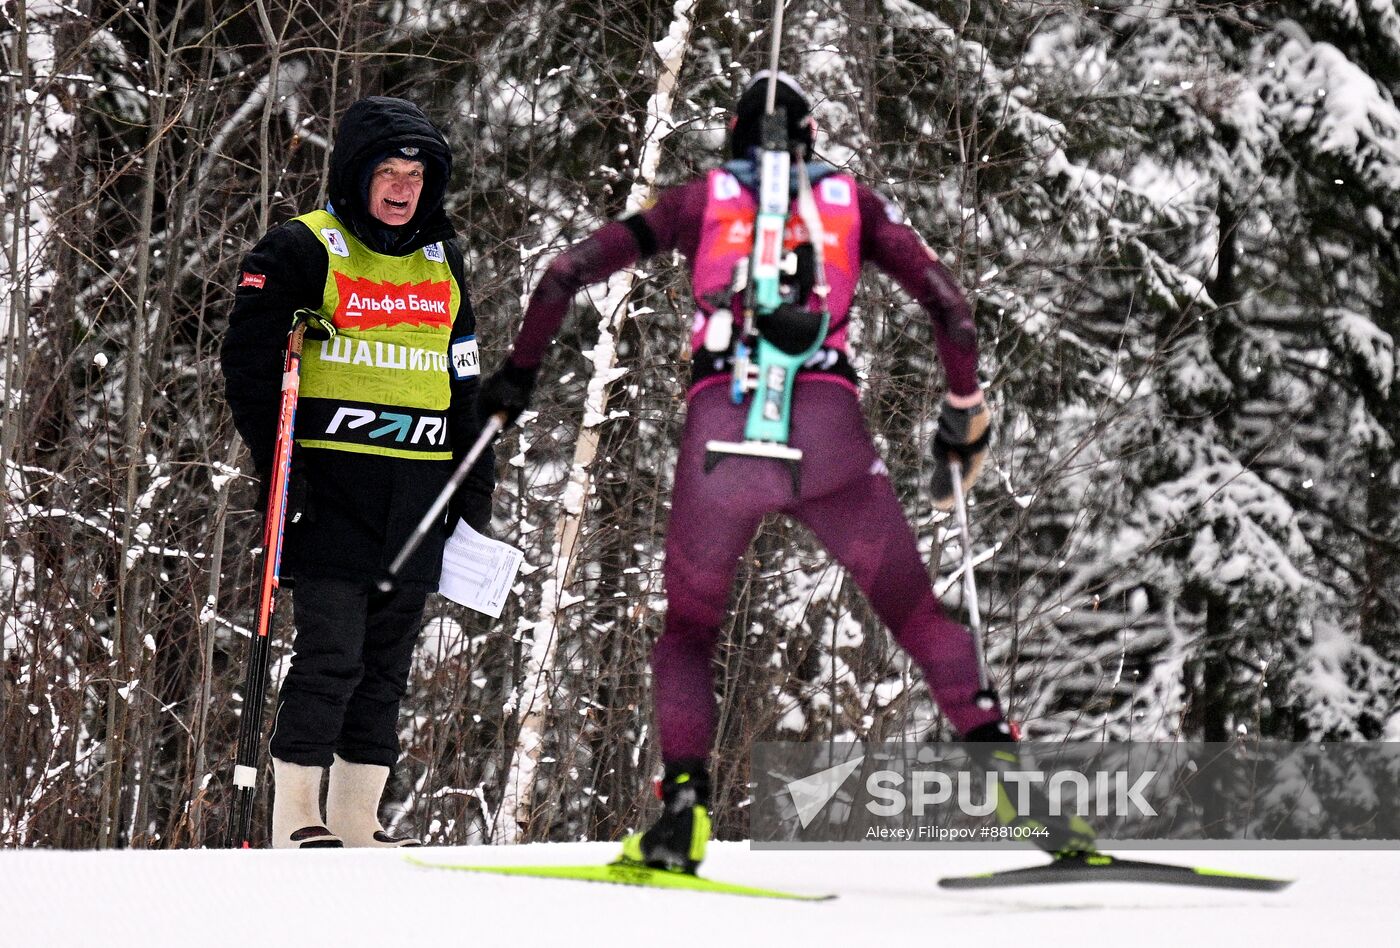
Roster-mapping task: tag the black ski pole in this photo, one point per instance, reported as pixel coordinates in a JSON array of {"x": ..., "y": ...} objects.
[
  {"x": 250, "y": 725},
  {"x": 434, "y": 515}
]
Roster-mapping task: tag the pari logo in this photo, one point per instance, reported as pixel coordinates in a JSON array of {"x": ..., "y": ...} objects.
[
  {"x": 365, "y": 304},
  {"x": 400, "y": 427}
]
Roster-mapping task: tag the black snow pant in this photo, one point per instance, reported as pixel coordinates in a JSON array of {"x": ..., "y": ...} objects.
[{"x": 350, "y": 662}]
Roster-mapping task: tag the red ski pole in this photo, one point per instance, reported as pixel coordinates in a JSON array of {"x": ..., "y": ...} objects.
[{"x": 247, "y": 762}]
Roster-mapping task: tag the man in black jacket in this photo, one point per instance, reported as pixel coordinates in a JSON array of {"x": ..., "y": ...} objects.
[{"x": 386, "y": 406}]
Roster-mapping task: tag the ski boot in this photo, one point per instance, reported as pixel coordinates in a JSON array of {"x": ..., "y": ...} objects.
[
  {"x": 676, "y": 841},
  {"x": 1062, "y": 837}
]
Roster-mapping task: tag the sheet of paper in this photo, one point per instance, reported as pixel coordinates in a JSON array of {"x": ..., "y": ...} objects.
[{"x": 478, "y": 571}]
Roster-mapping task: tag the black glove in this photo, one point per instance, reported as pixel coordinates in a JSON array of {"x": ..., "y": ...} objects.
[
  {"x": 505, "y": 392},
  {"x": 963, "y": 434},
  {"x": 264, "y": 479},
  {"x": 296, "y": 489}
]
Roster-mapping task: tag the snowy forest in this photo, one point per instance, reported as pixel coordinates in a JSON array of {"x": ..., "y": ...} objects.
[{"x": 1175, "y": 220}]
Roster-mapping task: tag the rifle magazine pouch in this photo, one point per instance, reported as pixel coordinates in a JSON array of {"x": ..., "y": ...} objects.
[{"x": 794, "y": 330}]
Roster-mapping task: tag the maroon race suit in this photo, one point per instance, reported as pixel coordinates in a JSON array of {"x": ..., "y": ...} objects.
[{"x": 845, "y": 494}]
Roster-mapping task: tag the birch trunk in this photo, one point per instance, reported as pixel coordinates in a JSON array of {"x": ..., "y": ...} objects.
[
  {"x": 15, "y": 138},
  {"x": 531, "y": 698},
  {"x": 14, "y": 302}
]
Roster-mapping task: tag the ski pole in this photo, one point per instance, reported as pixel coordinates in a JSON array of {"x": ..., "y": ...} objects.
[
  {"x": 986, "y": 698},
  {"x": 246, "y": 764},
  {"x": 775, "y": 45},
  {"x": 430, "y": 519}
]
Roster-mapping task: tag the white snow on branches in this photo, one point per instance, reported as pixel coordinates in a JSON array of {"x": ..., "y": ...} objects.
[
  {"x": 1313, "y": 90},
  {"x": 1372, "y": 347}
]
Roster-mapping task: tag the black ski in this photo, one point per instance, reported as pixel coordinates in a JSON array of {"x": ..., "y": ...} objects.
[{"x": 1100, "y": 867}]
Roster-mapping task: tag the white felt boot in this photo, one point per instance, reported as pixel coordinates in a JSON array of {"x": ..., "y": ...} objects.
[
  {"x": 352, "y": 805},
  {"x": 296, "y": 808}
]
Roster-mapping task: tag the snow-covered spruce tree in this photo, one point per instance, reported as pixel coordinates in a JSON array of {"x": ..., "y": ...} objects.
[
  {"x": 1271, "y": 379},
  {"x": 1118, "y": 195},
  {"x": 1035, "y": 186},
  {"x": 1328, "y": 100},
  {"x": 1201, "y": 526},
  {"x": 1222, "y": 520}
]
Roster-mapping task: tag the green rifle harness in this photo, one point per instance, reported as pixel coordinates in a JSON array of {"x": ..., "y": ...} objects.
[{"x": 778, "y": 336}]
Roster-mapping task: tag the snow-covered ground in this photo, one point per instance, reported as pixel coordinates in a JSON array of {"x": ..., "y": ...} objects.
[{"x": 356, "y": 897}]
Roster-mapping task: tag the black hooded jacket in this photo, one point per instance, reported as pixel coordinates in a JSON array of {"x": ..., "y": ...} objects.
[
  {"x": 349, "y": 514},
  {"x": 371, "y": 130}
]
